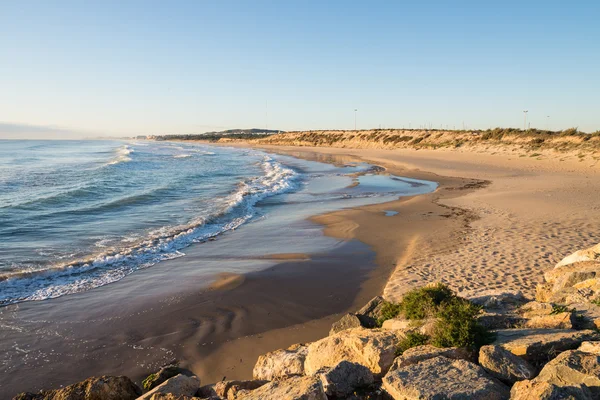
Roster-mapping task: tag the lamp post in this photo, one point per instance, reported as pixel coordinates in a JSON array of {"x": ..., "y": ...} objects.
[
  {"x": 355, "y": 110},
  {"x": 525, "y": 121},
  {"x": 547, "y": 122}
]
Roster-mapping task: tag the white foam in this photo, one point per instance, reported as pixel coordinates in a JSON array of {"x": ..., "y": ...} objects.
[
  {"x": 162, "y": 244},
  {"x": 122, "y": 155}
]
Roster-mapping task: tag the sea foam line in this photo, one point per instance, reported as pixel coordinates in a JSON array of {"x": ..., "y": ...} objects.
[{"x": 163, "y": 244}]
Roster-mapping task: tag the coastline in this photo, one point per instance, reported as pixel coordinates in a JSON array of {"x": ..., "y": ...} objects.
[
  {"x": 440, "y": 236},
  {"x": 167, "y": 312}
]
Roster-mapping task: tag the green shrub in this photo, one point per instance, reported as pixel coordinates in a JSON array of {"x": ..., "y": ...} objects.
[
  {"x": 457, "y": 325},
  {"x": 412, "y": 339},
  {"x": 388, "y": 311},
  {"x": 424, "y": 302}
]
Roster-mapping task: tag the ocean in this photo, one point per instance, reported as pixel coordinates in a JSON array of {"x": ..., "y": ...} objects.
[{"x": 76, "y": 215}]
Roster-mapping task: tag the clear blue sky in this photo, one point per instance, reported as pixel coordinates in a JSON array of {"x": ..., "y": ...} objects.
[{"x": 137, "y": 67}]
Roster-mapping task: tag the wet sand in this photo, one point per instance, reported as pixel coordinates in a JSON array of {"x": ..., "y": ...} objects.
[{"x": 215, "y": 310}]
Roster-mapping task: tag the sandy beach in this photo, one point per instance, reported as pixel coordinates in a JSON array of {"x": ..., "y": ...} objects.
[{"x": 495, "y": 222}]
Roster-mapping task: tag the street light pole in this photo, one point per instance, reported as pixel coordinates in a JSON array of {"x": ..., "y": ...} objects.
[
  {"x": 525, "y": 122},
  {"x": 355, "y": 110}
]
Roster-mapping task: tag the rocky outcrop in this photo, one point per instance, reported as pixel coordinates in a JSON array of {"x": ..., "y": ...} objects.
[
  {"x": 344, "y": 378},
  {"x": 153, "y": 380},
  {"x": 179, "y": 385},
  {"x": 373, "y": 348},
  {"x": 498, "y": 299},
  {"x": 590, "y": 347},
  {"x": 371, "y": 312},
  {"x": 539, "y": 390},
  {"x": 230, "y": 389},
  {"x": 573, "y": 367},
  {"x": 443, "y": 378},
  {"x": 590, "y": 254},
  {"x": 504, "y": 365},
  {"x": 537, "y": 315},
  {"x": 281, "y": 363},
  {"x": 348, "y": 321},
  {"x": 102, "y": 388},
  {"x": 417, "y": 354},
  {"x": 539, "y": 345},
  {"x": 296, "y": 388}
]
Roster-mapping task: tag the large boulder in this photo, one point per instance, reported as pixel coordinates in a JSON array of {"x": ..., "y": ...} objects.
[
  {"x": 573, "y": 367},
  {"x": 230, "y": 389},
  {"x": 171, "y": 396},
  {"x": 504, "y": 300},
  {"x": 570, "y": 283},
  {"x": 153, "y": 380},
  {"x": 295, "y": 388},
  {"x": 540, "y": 345},
  {"x": 343, "y": 379},
  {"x": 180, "y": 385},
  {"x": 540, "y": 390},
  {"x": 373, "y": 348},
  {"x": 281, "y": 363},
  {"x": 590, "y": 347},
  {"x": 102, "y": 388},
  {"x": 504, "y": 365},
  {"x": 443, "y": 378},
  {"x": 348, "y": 321},
  {"x": 417, "y": 354},
  {"x": 371, "y": 312},
  {"x": 538, "y": 315},
  {"x": 590, "y": 254}
]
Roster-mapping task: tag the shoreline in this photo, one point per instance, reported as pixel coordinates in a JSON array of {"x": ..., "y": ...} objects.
[
  {"x": 501, "y": 227},
  {"x": 168, "y": 318}
]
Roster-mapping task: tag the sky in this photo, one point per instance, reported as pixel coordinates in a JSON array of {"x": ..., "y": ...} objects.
[{"x": 112, "y": 68}]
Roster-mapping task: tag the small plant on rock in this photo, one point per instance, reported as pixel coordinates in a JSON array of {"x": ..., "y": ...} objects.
[
  {"x": 425, "y": 302},
  {"x": 388, "y": 311},
  {"x": 412, "y": 339},
  {"x": 457, "y": 325}
]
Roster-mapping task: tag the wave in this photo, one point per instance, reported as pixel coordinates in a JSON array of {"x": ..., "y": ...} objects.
[
  {"x": 182, "y": 156},
  {"x": 122, "y": 156},
  {"x": 162, "y": 244}
]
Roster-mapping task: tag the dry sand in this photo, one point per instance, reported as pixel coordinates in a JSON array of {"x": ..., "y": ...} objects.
[{"x": 514, "y": 219}]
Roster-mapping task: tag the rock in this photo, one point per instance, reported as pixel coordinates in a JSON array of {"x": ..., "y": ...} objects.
[
  {"x": 102, "y": 388},
  {"x": 443, "y": 378},
  {"x": 230, "y": 389},
  {"x": 295, "y": 388},
  {"x": 573, "y": 367},
  {"x": 500, "y": 320},
  {"x": 170, "y": 396},
  {"x": 538, "y": 390},
  {"x": 165, "y": 373},
  {"x": 563, "y": 320},
  {"x": 498, "y": 299},
  {"x": 281, "y": 363},
  {"x": 179, "y": 385},
  {"x": 590, "y": 254},
  {"x": 504, "y": 365},
  {"x": 417, "y": 354},
  {"x": 397, "y": 324},
  {"x": 346, "y": 322},
  {"x": 570, "y": 283},
  {"x": 371, "y": 312},
  {"x": 344, "y": 378},
  {"x": 540, "y": 345},
  {"x": 373, "y": 348},
  {"x": 590, "y": 347},
  {"x": 535, "y": 309}
]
